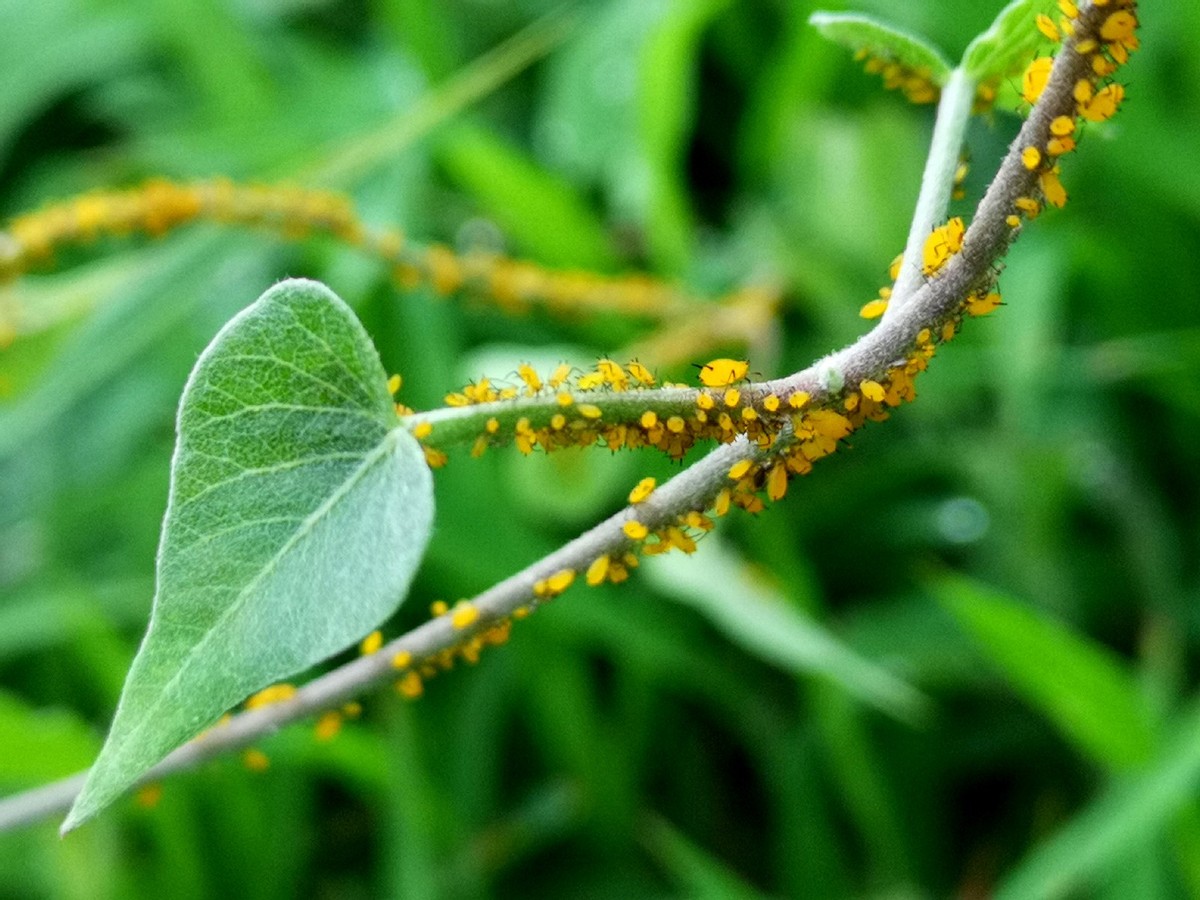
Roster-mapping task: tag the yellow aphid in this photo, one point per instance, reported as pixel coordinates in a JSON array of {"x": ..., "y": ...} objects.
[
  {"x": 394, "y": 384},
  {"x": 1047, "y": 27},
  {"x": 642, "y": 490},
  {"x": 590, "y": 381},
  {"x": 560, "y": 581},
  {"x": 530, "y": 376},
  {"x": 722, "y": 501},
  {"x": 457, "y": 400},
  {"x": 438, "y": 608},
  {"x": 641, "y": 373},
  {"x": 1102, "y": 66},
  {"x": 943, "y": 242},
  {"x": 1086, "y": 46},
  {"x": 981, "y": 306},
  {"x": 1119, "y": 26},
  {"x": 722, "y": 372},
  {"x": 1033, "y": 82},
  {"x": 275, "y": 693},
  {"x": 1069, "y": 9},
  {"x": 732, "y": 397},
  {"x": 597, "y": 571},
  {"x": 255, "y": 760},
  {"x": 328, "y": 725},
  {"x": 777, "y": 481},
  {"x": 1031, "y": 158},
  {"x": 565, "y": 398},
  {"x": 770, "y": 402},
  {"x": 1104, "y": 104},
  {"x": 1052, "y": 189},
  {"x": 465, "y": 614},
  {"x": 635, "y": 530},
  {"x": 872, "y": 390},
  {"x": 1084, "y": 91},
  {"x": 851, "y": 402},
  {"x": 894, "y": 266},
  {"x": 1060, "y": 145},
  {"x": 589, "y": 411},
  {"x": 798, "y": 399},
  {"x": 402, "y": 660},
  {"x": 739, "y": 469},
  {"x": 649, "y": 419},
  {"x": 410, "y": 686},
  {"x": 705, "y": 401},
  {"x": 371, "y": 643},
  {"x": 561, "y": 374},
  {"x": 1012, "y": 221},
  {"x": 675, "y": 424},
  {"x": 873, "y": 309},
  {"x": 1029, "y": 206},
  {"x": 1062, "y": 126}
]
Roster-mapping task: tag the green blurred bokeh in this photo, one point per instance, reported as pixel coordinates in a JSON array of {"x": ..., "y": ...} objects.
[{"x": 1019, "y": 545}]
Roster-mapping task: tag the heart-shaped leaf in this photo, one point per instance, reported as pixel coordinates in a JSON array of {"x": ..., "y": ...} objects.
[{"x": 297, "y": 516}]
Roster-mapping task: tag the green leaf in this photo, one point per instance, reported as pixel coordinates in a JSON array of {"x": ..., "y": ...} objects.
[
  {"x": 40, "y": 745},
  {"x": 297, "y": 516},
  {"x": 722, "y": 587},
  {"x": 1125, "y": 817},
  {"x": 1009, "y": 43},
  {"x": 869, "y": 35},
  {"x": 1080, "y": 686}
]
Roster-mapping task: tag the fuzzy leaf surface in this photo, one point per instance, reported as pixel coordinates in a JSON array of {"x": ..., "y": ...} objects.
[
  {"x": 1009, "y": 43},
  {"x": 298, "y": 514},
  {"x": 865, "y": 33}
]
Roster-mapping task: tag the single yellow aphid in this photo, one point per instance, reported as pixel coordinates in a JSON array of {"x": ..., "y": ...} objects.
[
  {"x": 1062, "y": 126},
  {"x": 1060, "y": 145},
  {"x": 529, "y": 375},
  {"x": 641, "y": 373},
  {"x": 422, "y": 430},
  {"x": 1069, "y": 9},
  {"x": 1047, "y": 27},
  {"x": 1119, "y": 26},
  {"x": 722, "y": 501},
  {"x": 1033, "y": 82},
  {"x": 255, "y": 760},
  {"x": 402, "y": 660},
  {"x": 438, "y": 608},
  {"x": 1031, "y": 158},
  {"x": 394, "y": 384},
  {"x": 642, "y": 490},
  {"x": 981, "y": 306},
  {"x": 589, "y": 411},
  {"x": 560, "y": 581},
  {"x": 770, "y": 402},
  {"x": 777, "y": 481},
  {"x": 410, "y": 686},
  {"x": 561, "y": 374},
  {"x": 705, "y": 401},
  {"x": 1052, "y": 189},
  {"x": 597, "y": 571},
  {"x": 371, "y": 643},
  {"x": 649, "y": 419},
  {"x": 1012, "y": 221},
  {"x": 732, "y": 397},
  {"x": 872, "y": 390},
  {"x": 798, "y": 399},
  {"x": 328, "y": 725},
  {"x": 873, "y": 309},
  {"x": 635, "y": 530},
  {"x": 739, "y": 469},
  {"x": 465, "y": 614},
  {"x": 722, "y": 372}
]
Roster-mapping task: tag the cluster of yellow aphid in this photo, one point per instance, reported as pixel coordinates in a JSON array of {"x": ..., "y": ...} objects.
[
  {"x": 1097, "y": 96},
  {"x": 916, "y": 82},
  {"x": 158, "y": 206}
]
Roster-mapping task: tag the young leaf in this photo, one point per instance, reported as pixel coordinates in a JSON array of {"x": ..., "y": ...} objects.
[
  {"x": 297, "y": 516},
  {"x": 1009, "y": 43},
  {"x": 868, "y": 35}
]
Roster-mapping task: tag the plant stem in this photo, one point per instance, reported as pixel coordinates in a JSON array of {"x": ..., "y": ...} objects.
[{"x": 937, "y": 182}]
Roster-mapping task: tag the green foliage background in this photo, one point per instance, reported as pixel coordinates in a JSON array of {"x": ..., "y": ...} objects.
[{"x": 1019, "y": 545}]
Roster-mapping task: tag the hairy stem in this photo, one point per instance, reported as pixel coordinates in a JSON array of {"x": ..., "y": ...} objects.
[{"x": 937, "y": 182}]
